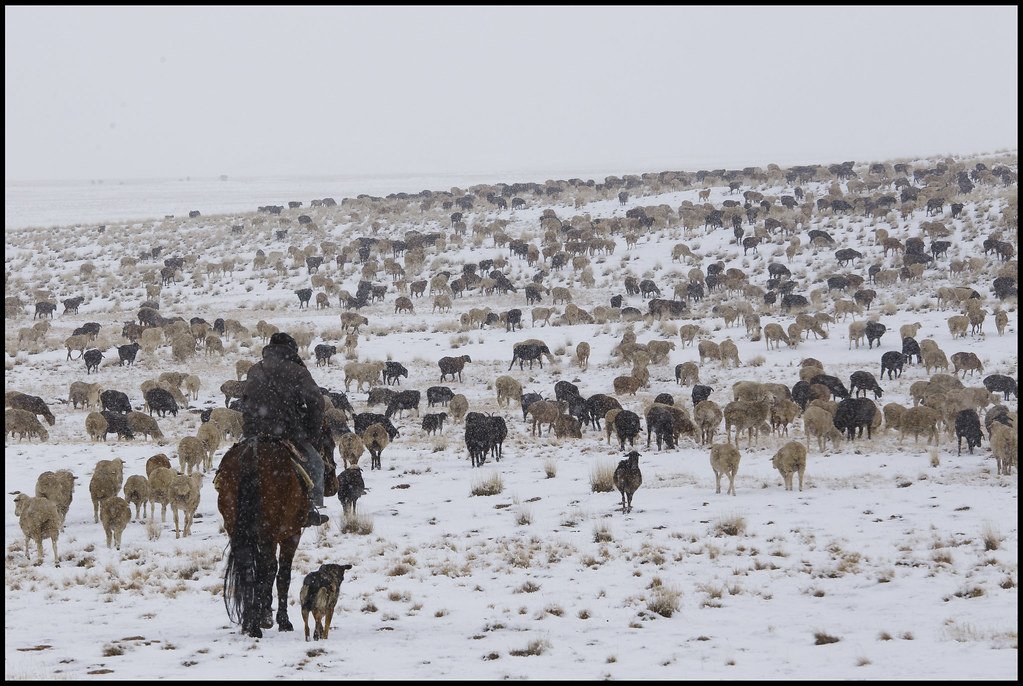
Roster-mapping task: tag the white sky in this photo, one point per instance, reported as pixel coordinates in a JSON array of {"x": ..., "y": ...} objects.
[{"x": 108, "y": 93}]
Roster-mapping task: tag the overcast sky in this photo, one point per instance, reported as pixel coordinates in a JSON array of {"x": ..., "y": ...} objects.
[{"x": 122, "y": 93}]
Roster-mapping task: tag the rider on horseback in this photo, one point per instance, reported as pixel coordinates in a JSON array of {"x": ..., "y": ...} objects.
[{"x": 282, "y": 401}]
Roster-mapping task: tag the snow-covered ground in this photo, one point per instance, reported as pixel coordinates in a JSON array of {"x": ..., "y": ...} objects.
[{"x": 897, "y": 560}]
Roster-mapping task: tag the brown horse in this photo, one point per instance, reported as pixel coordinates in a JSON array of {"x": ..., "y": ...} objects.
[{"x": 264, "y": 504}]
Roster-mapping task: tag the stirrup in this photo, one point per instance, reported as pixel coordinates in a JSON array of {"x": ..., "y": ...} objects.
[{"x": 316, "y": 519}]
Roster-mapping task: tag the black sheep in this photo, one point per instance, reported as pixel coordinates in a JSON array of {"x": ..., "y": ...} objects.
[
  {"x": 832, "y": 383},
  {"x": 393, "y": 371},
  {"x": 127, "y": 353},
  {"x": 92, "y": 359},
  {"x": 999, "y": 383},
  {"x": 627, "y": 427},
  {"x": 161, "y": 401},
  {"x": 434, "y": 422},
  {"x": 598, "y": 404},
  {"x": 526, "y": 400},
  {"x": 874, "y": 332},
  {"x": 910, "y": 348},
  {"x": 892, "y": 361},
  {"x": 661, "y": 422},
  {"x": 855, "y": 413},
  {"x": 403, "y": 400},
  {"x": 438, "y": 395},
  {"x": 115, "y": 401},
  {"x": 701, "y": 393},
  {"x": 350, "y": 487},
  {"x": 968, "y": 427},
  {"x": 864, "y": 381},
  {"x": 323, "y": 353}
]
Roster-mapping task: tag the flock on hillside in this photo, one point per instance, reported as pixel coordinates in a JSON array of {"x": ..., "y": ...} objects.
[{"x": 178, "y": 308}]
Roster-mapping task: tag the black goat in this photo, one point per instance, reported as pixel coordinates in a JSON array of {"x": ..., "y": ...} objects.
[{"x": 968, "y": 427}]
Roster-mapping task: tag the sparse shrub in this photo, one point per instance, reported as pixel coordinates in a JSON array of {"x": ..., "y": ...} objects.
[
  {"x": 602, "y": 478},
  {"x": 731, "y": 525},
  {"x": 664, "y": 601},
  {"x": 492, "y": 485},
  {"x": 821, "y": 638}
]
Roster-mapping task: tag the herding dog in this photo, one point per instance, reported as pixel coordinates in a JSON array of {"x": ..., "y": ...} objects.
[{"x": 319, "y": 595}]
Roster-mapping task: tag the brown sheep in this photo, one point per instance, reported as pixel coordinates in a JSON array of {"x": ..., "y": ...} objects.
[
  {"x": 968, "y": 362},
  {"x": 31, "y": 403},
  {"x": 105, "y": 483},
  {"x": 893, "y": 415},
  {"x": 458, "y": 405},
  {"x": 184, "y": 497},
  {"x": 820, "y": 423},
  {"x": 687, "y": 373},
  {"x": 351, "y": 448},
  {"x": 191, "y": 454},
  {"x": 783, "y": 413},
  {"x": 724, "y": 460},
  {"x": 789, "y": 460},
  {"x": 707, "y": 416},
  {"x": 23, "y": 423},
  {"x": 508, "y": 390},
  {"x": 626, "y": 384},
  {"x": 114, "y": 514},
  {"x": 136, "y": 492},
  {"x": 748, "y": 416},
  {"x": 582, "y": 354},
  {"x": 544, "y": 412},
  {"x": 160, "y": 480},
  {"x": 158, "y": 460},
  {"x": 609, "y": 422},
  {"x": 709, "y": 350},
  {"x": 404, "y": 304},
  {"x": 375, "y": 439},
  {"x": 729, "y": 353},
  {"x": 776, "y": 333},
  {"x": 452, "y": 366},
  {"x": 86, "y": 394},
  {"x": 920, "y": 420}
]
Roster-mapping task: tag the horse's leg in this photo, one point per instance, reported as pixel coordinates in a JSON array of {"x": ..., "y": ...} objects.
[
  {"x": 288, "y": 548},
  {"x": 266, "y": 585}
]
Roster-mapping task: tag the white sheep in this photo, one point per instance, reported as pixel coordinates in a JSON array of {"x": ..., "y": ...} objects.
[
  {"x": 209, "y": 434},
  {"x": 184, "y": 497},
  {"x": 85, "y": 394},
  {"x": 106, "y": 482},
  {"x": 58, "y": 487},
  {"x": 508, "y": 390},
  {"x": 458, "y": 405},
  {"x": 136, "y": 492},
  {"x": 789, "y": 460},
  {"x": 228, "y": 421},
  {"x": 114, "y": 513},
  {"x": 39, "y": 519},
  {"x": 724, "y": 460},
  {"x": 96, "y": 426}
]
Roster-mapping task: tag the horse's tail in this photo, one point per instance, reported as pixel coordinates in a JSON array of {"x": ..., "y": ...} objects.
[{"x": 245, "y": 559}]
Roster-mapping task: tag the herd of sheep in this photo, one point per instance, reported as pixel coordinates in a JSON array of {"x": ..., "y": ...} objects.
[{"x": 740, "y": 250}]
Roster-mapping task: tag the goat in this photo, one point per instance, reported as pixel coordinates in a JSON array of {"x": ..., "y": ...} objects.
[{"x": 627, "y": 479}]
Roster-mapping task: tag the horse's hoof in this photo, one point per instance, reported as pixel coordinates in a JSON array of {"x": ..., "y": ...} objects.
[
  {"x": 285, "y": 626},
  {"x": 268, "y": 622}
]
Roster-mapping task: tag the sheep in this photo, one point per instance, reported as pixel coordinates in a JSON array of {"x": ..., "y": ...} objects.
[
  {"x": 864, "y": 381},
  {"x": 748, "y": 390},
  {"x": 33, "y": 404},
  {"x": 184, "y": 497},
  {"x": 458, "y": 405},
  {"x": 709, "y": 350},
  {"x": 687, "y": 373},
  {"x": 1004, "y": 446},
  {"x": 967, "y": 425},
  {"x": 783, "y": 413},
  {"x": 363, "y": 373},
  {"x": 724, "y": 460},
  {"x": 241, "y": 368},
  {"x": 776, "y": 333},
  {"x": 1000, "y": 383},
  {"x": 114, "y": 514},
  {"x": 209, "y": 434},
  {"x": 191, "y": 454},
  {"x": 39, "y": 519},
  {"x": 86, "y": 394},
  {"x": 626, "y": 384},
  {"x": 748, "y": 416},
  {"x": 96, "y": 426},
  {"x": 933, "y": 359},
  {"x": 158, "y": 460},
  {"x": 909, "y": 330},
  {"x": 855, "y": 413},
  {"x": 1001, "y": 321},
  {"x": 105, "y": 483},
  {"x": 958, "y": 325},
  {"x": 609, "y": 420},
  {"x": 142, "y": 423},
  {"x": 136, "y": 492},
  {"x": 434, "y": 422},
  {"x": 920, "y": 420},
  {"x": 627, "y": 427},
  {"x": 508, "y": 390},
  {"x": 58, "y": 487},
  {"x": 857, "y": 333},
  {"x": 544, "y": 412},
  {"x": 729, "y": 353},
  {"x": 375, "y": 438},
  {"x": 968, "y": 362},
  {"x": 820, "y": 423},
  {"x": 789, "y": 460},
  {"x": 707, "y": 416},
  {"x": 627, "y": 479},
  {"x": 893, "y": 415},
  {"x": 582, "y": 354},
  {"x": 228, "y": 422},
  {"x": 160, "y": 480},
  {"x": 659, "y": 350},
  {"x": 77, "y": 342},
  {"x": 567, "y": 426},
  {"x": 351, "y": 448},
  {"x": 23, "y": 423},
  {"x": 350, "y": 487},
  {"x": 452, "y": 366}
]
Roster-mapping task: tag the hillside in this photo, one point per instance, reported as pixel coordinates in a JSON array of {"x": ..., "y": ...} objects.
[{"x": 903, "y": 551}]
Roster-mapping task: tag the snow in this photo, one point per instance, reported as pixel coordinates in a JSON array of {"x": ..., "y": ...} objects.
[{"x": 903, "y": 552}]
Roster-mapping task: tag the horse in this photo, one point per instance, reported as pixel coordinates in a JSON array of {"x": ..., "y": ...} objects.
[{"x": 264, "y": 504}]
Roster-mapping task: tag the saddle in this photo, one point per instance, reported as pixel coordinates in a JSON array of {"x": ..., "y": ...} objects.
[{"x": 298, "y": 462}]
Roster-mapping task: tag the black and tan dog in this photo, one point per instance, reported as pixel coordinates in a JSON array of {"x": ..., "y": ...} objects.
[{"x": 319, "y": 595}]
